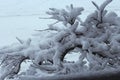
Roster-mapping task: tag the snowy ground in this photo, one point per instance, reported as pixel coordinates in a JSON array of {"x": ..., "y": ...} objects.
[{"x": 19, "y": 18}]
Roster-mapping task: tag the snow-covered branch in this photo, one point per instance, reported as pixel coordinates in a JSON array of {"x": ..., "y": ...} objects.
[
  {"x": 97, "y": 40},
  {"x": 68, "y": 16}
]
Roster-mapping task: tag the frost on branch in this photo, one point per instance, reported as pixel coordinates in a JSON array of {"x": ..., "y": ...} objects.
[
  {"x": 97, "y": 39},
  {"x": 68, "y": 16}
]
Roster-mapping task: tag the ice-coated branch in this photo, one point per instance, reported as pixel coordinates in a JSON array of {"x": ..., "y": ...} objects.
[
  {"x": 98, "y": 16},
  {"x": 66, "y": 16},
  {"x": 101, "y": 11},
  {"x": 102, "y": 7},
  {"x": 11, "y": 65},
  {"x": 95, "y": 5}
]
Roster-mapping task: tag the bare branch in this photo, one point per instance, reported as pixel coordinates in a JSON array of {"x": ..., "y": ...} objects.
[{"x": 21, "y": 41}]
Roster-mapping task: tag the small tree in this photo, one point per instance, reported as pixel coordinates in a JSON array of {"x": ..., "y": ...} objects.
[{"x": 97, "y": 39}]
